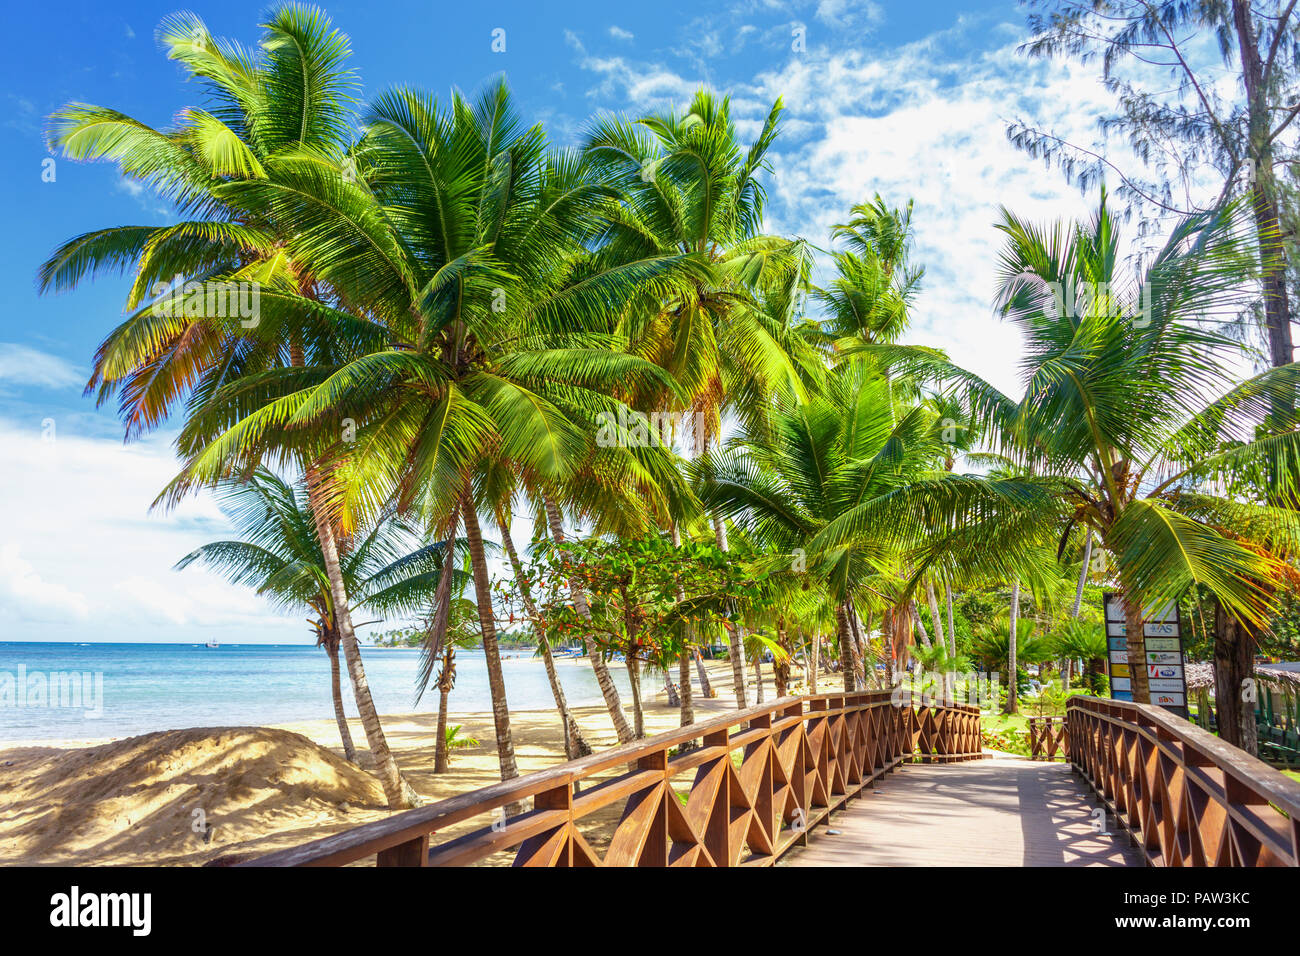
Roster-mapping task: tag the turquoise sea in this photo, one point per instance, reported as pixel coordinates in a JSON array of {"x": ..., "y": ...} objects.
[{"x": 115, "y": 690}]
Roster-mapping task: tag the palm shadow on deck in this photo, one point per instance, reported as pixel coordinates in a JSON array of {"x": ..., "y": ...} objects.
[{"x": 998, "y": 812}]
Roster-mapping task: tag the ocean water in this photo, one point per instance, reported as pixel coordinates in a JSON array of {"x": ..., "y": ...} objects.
[{"x": 88, "y": 691}]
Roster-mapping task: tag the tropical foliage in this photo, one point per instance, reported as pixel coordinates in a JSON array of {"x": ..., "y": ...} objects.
[{"x": 457, "y": 320}]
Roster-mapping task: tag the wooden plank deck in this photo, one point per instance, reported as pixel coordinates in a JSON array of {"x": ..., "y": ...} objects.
[{"x": 998, "y": 812}]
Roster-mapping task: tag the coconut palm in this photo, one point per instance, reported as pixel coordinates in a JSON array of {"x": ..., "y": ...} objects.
[
  {"x": 1082, "y": 641},
  {"x": 690, "y": 188},
  {"x": 461, "y": 633},
  {"x": 295, "y": 96},
  {"x": 870, "y": 296},
  {"x": 819, "y": 460},
  {"x": 278, "y": 553},
  {"x": 1131, "y": 398},
  {"x": 458, "y": 233},
  {"x": 1132, "y": 424}
]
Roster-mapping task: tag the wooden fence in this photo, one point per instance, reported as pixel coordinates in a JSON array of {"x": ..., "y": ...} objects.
[
  {"x": 1184, "y": 796},
  {"x": 760, "y": 782},
  {"x": 1048, "y": 738}
]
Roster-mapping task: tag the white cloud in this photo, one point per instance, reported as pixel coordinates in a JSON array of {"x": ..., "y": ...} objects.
[
  {"x": 618, "y": 33},
  {"x": 21, "y": 585},
  {"x": 571, "y": 39},
  {"x": 22, "y": 365},
  {"x": 925, "y": 121},
  {"x": 132, "y": 187},
  {"x": 850, "y": 14},
  {"x": 81, "y": 556},
  {"x": 145, "y": 198}
]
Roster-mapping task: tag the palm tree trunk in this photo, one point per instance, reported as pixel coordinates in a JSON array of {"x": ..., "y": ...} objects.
[
  {"x": 575, "y": 745},
  {"x": 1234, "y": 667},
  {"x": 633, "y": 665},
  {"x": 859, "y": 646},
  {"x": 684, "y": 702},
  {"x": 945, "y": 679},
  {"x": 440, "y": 742},
  {"x": 1264, "y": 194},
  {"x": 684, "y": 686},
  {"x": 758, "y": 679},
  {"x": 608, "y": 690},
  {"x": 952, "y": 635},
  {"x": 1012, "y": 690},
  {"x": 670, "y": 689},
  {"x": 889, "y": 627},
  {"x": 1083, "y": 576},
  {"x": 437, "y": 633},
  {"x": 689, "y": 650},
  {"x": 920, "y": 626},
  {"x": 738, "y": 665},
  {"x": 634, "y": 681},
  {"x": 1078, "y": 602},
  {"x": 1135, "y": 640},
  {"x": 781, "y": 669},
  {"x": 735, "y": 633},
  {"x": 814, "y": 659},
  {"x": 846, "y": 648},
  {"x": 1203, "y": 707},
  {"x": 934, "y": 614},
  {"x": 398, "y": 792},
  {"x": 487, "y": 623},
  {"x": 336, "y": 688},
  {"x": 706, "y": 688},
  {"x": 952, "y": 631}
]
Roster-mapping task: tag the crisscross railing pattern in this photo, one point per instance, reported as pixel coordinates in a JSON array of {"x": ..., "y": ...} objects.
[
  {"x": 757, "y": 784},
  {"x": 1185, "y": 796},
  {"x": 1048, "y": 738}
]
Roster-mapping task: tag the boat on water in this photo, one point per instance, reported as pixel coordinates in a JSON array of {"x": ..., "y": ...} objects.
[{"x": 211, "y": 644}]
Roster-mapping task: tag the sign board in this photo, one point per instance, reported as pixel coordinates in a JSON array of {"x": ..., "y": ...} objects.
[{"x": 1162, "y": 635}]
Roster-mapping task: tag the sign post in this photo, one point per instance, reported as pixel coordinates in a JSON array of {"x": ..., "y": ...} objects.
[{"x": 1166, "y": 671}]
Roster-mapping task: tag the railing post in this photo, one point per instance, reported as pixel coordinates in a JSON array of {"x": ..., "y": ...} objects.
[
  {"x": 555, "y": 846},
  {"x": 717, "y": 835},
  {"x": 411, "y": 853}
]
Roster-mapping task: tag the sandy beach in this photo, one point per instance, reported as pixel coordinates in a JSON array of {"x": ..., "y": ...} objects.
[{"x": 189, "y": 797}]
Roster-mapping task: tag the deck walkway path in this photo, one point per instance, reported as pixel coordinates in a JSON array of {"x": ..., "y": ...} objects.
[{"x": 996, "y": 812}]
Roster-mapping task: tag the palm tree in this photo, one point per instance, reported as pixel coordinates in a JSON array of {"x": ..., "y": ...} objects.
[
  {"x": 689, "y": 189},
  {"x": 460, "y": 634},
  {"x": 450, "y": 738},
  {"x": 1132, "y": 424},
  {"x": 869, "y": 299},
  {"x": 819, "y": 460},
  {"x": 278, "y": 553},
  {"x": 492, "y": 344},
  {"x": 1121, "y": 403},
  {"x": 1080, "y": 640},
  {"x": 295, "y": 97}
]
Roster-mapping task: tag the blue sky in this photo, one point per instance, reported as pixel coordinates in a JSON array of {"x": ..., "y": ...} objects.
[{"x": 880, "y": 98}]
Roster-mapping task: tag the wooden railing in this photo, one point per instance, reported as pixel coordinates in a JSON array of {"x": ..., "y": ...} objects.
[
  {"x": 1048, "y": 738},
  {"x": 762, "y": 779},
  {"x": 1185, "y": 797}
]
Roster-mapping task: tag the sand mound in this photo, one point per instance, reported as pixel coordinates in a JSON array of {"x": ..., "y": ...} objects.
[{"x": 180, "y": 796}]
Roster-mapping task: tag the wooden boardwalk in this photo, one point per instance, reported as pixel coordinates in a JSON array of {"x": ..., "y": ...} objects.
[{"x": 998, "y": 812}]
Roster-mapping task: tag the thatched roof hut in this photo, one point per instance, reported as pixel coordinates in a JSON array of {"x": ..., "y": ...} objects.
[{"x": 1285, "y": 676}]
